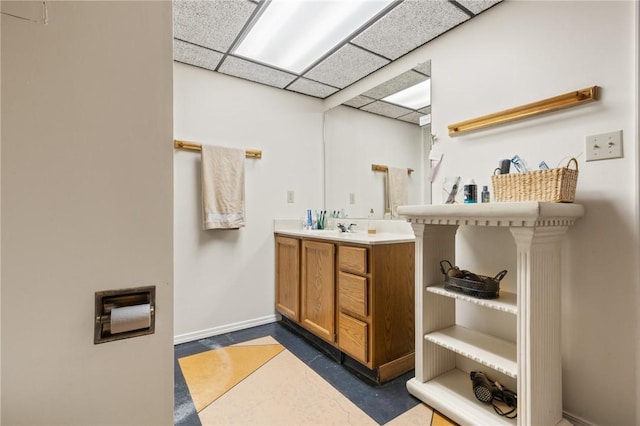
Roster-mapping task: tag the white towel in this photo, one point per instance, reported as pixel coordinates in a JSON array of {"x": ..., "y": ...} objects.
[
  {"x": 397, "y": 189},
  {"x": 222, "y": 187}
]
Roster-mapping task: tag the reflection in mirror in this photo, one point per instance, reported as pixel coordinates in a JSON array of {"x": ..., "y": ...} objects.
[
  {"x": 378, "y": 127},
  {"x": 406, "y": 97}
]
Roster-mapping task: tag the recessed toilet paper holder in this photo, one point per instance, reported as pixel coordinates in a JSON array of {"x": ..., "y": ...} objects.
[{"x": 125, "y": 313}]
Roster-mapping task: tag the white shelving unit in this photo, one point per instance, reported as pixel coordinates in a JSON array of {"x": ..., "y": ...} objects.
[{"x": 534, "y": 359}]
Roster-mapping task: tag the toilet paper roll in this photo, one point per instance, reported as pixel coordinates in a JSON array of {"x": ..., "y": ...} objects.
[{"x": 129, "y": 318}]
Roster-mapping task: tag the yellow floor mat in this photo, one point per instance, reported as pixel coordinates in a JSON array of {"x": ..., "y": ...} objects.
[{"x": 210, "y": 374}]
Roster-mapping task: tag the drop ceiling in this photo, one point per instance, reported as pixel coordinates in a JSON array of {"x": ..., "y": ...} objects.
[{"x": 207, "y": 32}]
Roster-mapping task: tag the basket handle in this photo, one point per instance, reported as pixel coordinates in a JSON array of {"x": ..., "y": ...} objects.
[
  {"x": 500, "y": 275},
  {"x": 574, "y": 161},
  {"x": 442, "y": 266}
]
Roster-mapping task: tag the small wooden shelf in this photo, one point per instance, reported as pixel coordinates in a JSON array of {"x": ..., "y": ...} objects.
[
  {"x": 452, "y": 393},
  {"x": 507, "y": 302},
  {"x": 490, "y": 351}
]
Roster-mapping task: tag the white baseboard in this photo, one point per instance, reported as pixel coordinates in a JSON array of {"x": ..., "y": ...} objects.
[
  {"x": 576, "y": 421},
  {"x": 228, "y": 328}
]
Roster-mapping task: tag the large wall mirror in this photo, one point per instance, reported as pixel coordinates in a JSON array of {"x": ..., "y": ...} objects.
[{"x": 387, "y": 126}]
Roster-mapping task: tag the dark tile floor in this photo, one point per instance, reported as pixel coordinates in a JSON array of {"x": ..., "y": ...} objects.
[{"x": 381, "y": 402}]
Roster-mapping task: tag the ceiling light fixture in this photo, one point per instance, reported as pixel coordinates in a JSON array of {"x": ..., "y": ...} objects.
[
  {"x": 414, "y": 97},
  {"x": 292, "y": 35}
]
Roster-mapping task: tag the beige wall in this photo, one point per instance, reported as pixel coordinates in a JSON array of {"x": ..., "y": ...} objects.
[
  {"x": 224, "y": 280},
  {"x": 86, "y": 206}
]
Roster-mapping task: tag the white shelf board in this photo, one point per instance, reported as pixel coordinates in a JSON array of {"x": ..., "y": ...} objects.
[
  {"x": 490, "y": 351},
  {"x": 527, "y": 213},
  {"x": 507, "y": 302},
  {"x": 451, "y": 394}
]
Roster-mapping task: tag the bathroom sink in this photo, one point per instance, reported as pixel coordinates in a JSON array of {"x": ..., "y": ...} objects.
[
  {"x": 335, "y": 234},
  {"x": 328, "y": 232}
]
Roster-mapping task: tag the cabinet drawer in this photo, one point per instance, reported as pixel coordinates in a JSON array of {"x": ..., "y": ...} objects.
[
  {"x": 352, "y": 337},
  {"x": 353, "y": 259},
  {"x": 352, "y": 293}
]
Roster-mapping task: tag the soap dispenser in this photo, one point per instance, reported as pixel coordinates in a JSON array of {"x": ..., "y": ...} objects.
[{"x": 371, "y": 226}]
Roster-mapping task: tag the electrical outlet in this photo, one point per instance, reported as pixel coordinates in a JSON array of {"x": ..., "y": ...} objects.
[
  {"x": 352, "y": 198},
  {"x": 603, "y": 146},
  {"x": 290, "y": 196}
]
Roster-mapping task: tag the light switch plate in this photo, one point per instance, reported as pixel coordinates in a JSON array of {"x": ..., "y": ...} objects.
[
  {"x": 604, "y": 146},
  {"x": 290, "y": 196}
]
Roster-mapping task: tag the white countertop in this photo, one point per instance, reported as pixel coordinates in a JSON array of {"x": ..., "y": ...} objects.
[{"x": 387, "y": 232}]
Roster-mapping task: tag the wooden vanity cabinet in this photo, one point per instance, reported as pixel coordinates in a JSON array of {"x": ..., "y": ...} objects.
[
  {"x": 358, "y": 298},
  {"x": 376, "y": 306}
]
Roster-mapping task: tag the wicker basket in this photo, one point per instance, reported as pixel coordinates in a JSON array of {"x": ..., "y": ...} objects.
[{"x": 554, "y": 185}]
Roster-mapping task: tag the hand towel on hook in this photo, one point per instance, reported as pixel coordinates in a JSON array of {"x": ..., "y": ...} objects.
[{"x": 222, "y": 187}]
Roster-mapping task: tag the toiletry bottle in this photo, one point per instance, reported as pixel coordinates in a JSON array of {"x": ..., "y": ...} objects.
[
  {"x": 519, "y": 164},
  {"x": 485, "y": 196},
  {"x": 331, "y": 220},
  {"x": 470, "y": 192},
  {"x": 371, "y": 227}
]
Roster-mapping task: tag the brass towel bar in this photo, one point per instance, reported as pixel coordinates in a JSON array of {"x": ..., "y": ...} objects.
[
  {"x": 381, "y": 168},
  {"x": 192, "y": 146},
  {"x": 547, "y": 105}
]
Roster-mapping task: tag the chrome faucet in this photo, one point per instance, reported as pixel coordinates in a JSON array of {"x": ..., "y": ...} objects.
[{"x": 346, "y": 228}]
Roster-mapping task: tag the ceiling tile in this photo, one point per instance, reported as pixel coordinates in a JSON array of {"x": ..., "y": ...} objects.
[
  {"x": 477, "y": 6},
  {"x": 212, "y": 24},
  {"x": 412, "y": 117},
  {"x": 409, "y": 25},
  {"x": 426, "y": 110},
  {"x": 195, "y": 55},
  {"x": 347, "y": 65},
  {"x": 312, "y": 88},
  {"x": 396, "y": 84},
  {"x": 424, "y": 68},
  {"x": 359, "y": 101},
  {"x": 388, "y": 110},
  {"x": 259, "y": 73}
]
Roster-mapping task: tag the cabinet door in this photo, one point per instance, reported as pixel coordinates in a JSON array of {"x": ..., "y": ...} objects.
[
  {"x": 354, "y": 337},
  {"x": 318, "y": 289},
  {"x": 288, "y": 277}
]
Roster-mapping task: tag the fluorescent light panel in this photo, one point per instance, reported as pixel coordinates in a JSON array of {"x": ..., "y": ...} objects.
[
  {"x": 414, "y": 97},
  {"x": 293, "y": 34}
]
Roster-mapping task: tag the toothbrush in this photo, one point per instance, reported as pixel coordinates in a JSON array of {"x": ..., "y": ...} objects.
[{"x": 454, "y": 191}]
